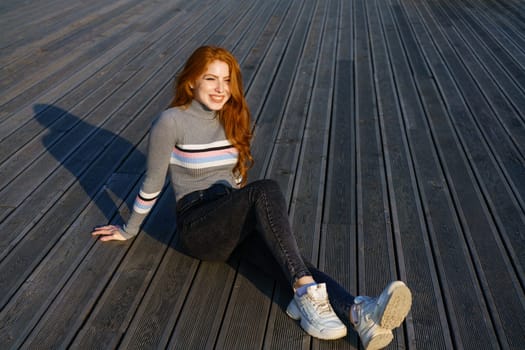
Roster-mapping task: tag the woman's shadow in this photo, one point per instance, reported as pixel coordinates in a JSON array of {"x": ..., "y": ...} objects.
[{"x": 105, "y": 164}]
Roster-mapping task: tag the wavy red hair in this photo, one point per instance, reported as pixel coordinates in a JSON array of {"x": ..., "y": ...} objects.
[{"x": 234, "y": 116}]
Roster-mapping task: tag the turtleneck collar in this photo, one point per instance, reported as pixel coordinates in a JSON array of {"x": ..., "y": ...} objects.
[{"x": 200, "y": 111}]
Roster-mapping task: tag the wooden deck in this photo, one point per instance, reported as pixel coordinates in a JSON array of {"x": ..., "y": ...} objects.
[{"x": 396, "y": 129}]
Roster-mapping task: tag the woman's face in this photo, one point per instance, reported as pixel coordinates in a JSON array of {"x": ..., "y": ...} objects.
[{"x": 212, "y": 88}]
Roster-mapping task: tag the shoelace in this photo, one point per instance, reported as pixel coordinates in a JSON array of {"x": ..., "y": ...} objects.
[{"x": 323, "y": 308}]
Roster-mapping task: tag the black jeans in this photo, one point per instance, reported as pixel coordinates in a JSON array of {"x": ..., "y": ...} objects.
[{"x": 252, "y": 222}]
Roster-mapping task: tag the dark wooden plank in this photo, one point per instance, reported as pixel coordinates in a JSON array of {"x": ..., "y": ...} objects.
[
  {"x": 509, "y": 218},
  {"x": 285, "y": 162},
  {"x": 488, "y": 105},
  {"x": 273, "y": 108},
  {"x": 454, "y": 178},
  {"x": 502, "y": 38},
  {"x": 338, "y": 251},
  {"x": 11, "y": 8},
  {"x": 340, "y": 188},
  {"x": 397, "y": 102},
  {"x": 21, "y": 19},
  {"x": 512, "y": 11},
  {"x": 25, "y": 113},
  {"x": 30, "y": 33},
  {"x": 374, "y": 225},
  {"x": 432, "y": 182},
  {"x": 153, "y": 323},
  {"x": 34, "y": 296},
  {"x": 481, "y": 233},
  {"x": 194, "y": 318},
  {"x": 500, "y": 89},
  {"x": 110, "y": 318},
  {"x": 56, "y": 62},
  {"x": 66, "y": 315}
]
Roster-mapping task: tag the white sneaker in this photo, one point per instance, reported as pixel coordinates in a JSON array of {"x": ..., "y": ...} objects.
[
  {"x": 375, "y": 317},
  {"x": 316, "y": 314}
]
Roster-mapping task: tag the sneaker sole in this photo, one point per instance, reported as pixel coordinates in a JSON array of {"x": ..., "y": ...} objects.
[
  {"x": 379, "y": 342},
  {"x": 314, "y": 332},
  {"x": 397, "y": 300}
]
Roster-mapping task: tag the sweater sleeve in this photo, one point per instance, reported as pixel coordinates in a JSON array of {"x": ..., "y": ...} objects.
[{"x": 160, "y": 147}]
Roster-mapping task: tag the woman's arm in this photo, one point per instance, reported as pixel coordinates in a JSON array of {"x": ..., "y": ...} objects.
[{"x": 160, "y": 147}]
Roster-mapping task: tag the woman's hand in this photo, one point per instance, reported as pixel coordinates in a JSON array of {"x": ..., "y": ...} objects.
[{"x": 108, "y": 233}]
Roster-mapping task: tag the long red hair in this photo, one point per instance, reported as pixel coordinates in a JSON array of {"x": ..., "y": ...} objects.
[{"x": 234, "y": 116}]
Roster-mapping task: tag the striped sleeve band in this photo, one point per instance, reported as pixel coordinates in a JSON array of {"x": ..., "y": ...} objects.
[{"x": 144, "y": 202}]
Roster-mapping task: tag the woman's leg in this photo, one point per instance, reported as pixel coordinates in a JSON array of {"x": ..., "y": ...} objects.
[{"x": 212, "y": 230}]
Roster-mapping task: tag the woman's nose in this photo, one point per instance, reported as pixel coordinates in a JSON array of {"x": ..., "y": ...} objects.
[{"x": 220, "y": 86}]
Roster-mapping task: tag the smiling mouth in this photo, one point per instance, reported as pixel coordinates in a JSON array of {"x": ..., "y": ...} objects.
[{"x": 216, "y": 98}]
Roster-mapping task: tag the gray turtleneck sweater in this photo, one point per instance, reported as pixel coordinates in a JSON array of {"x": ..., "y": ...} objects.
[{"x": 190, "y": 143}]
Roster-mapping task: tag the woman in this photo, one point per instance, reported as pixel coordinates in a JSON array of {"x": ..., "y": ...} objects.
[{"x": 204, "y": 140}]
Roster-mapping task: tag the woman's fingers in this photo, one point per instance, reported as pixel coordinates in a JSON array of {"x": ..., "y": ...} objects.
[
  {"x": 108, "y": 233},
  {"x": 103, "y": 230},
  {"x": 100, "y": 229}
]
